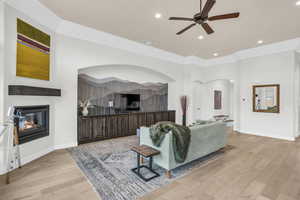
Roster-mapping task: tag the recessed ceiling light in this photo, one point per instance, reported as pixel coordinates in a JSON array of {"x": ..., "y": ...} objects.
[
  {"x": 260, "y": 41},
  {"x": 158, "y": 15},
  {"x": 298, "y": 3},
  {"x": 201, "y": 37},
  {"x": 216, "y": 54}
]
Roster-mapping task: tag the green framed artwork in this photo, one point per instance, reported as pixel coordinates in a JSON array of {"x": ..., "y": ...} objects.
[{"x": 33, "y": 52}]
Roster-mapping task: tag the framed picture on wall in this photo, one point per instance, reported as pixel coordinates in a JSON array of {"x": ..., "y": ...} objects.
[
  {"x": 266, "y": 98},
  {"x": 218, "y": 100},
  {"x": 33, "y": 52}
]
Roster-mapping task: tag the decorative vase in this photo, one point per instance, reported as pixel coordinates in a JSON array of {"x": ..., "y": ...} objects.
[
  {"x": 183, "y": 120},
  {"x": 184, "y": 106},
  {"x": 85, "y": 111}
]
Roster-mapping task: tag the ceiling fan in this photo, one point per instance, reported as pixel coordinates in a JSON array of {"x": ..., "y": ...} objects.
[{"x": 201, "y": 18}]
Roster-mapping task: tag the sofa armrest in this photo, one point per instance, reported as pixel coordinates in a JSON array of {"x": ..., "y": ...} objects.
[{"x": 163, "y": 159}]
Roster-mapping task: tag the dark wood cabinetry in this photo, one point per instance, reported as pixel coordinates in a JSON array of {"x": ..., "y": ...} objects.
[{"x": 94, "y": 128}]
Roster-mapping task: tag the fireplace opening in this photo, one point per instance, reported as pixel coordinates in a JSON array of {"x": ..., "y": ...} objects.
[{"x": 32, "y": 122}]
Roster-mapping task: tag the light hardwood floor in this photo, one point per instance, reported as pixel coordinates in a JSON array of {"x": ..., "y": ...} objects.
[{"x": 257, "y": 168}]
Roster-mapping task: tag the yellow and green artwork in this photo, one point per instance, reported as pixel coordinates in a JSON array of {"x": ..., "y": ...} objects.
[{"x": 33, "y": 52}]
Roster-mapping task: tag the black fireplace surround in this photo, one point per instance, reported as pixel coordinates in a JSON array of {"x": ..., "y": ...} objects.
[{"x": 32, "y": 122}]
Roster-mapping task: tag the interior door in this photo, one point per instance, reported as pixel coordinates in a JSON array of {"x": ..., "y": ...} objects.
[{"x": 197, "y": 101}]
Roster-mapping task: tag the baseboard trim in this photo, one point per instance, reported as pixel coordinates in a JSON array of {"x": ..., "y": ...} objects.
[
  {"x": 65, "y": 146},
  {"x": 35, "y": 156},
  {"x": 31, "y": 158},
  {"x": 264, "y": 135},
  {"x": 40, "y": 154}
]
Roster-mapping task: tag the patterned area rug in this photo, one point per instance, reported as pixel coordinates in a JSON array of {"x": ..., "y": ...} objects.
[{"x": 107, "y": 165}]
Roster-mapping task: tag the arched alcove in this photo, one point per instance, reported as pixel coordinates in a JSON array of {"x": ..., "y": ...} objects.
[
  {"x": 203, "y": 98},
  {"x": 126, "y": 72},
  {"x": 134, "y": 73},
  {"x": 110, "y": 92}
]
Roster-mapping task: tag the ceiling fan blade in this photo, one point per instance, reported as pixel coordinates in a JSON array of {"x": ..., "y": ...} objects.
[
  {"x": 185, "y": 29},
  {"x": 226, "y": 16},
  {"x": 208, "y": 6},
  {"x": 181, "y": 18},
  {"x": 207, "y": 28}
]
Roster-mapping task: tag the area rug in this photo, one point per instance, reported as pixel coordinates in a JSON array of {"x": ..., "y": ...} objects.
[{"x": 107, "y": 165}]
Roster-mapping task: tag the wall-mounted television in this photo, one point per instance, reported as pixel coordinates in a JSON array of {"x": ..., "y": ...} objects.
[{"x": 133, "y": 101}]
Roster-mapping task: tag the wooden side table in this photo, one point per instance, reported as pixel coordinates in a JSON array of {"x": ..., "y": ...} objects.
[{"x": 146, "y": 152}]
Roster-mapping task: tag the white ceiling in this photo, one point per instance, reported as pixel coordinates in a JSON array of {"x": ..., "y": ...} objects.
[{"x": 267, "y": 20}]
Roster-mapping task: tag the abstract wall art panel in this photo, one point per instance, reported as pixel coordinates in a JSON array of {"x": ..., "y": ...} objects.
[
  {"x": 114, "y": 95},
  {"x": 217, "y": 100},
  {"x": 33, "y": 52}
]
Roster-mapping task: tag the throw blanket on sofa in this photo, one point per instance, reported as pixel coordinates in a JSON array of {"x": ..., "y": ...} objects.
[{"x": 181, "y": 138}]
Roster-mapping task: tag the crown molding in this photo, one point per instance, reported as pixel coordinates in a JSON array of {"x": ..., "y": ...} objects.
[
  {"x": 81, "y": 32},
  {"x": 220, "y": 61},
  {"x": 193, "y": 60},
  {"x": 37, "y": 11},
  {"x": 274, "y": 48},
  {"x": 288, "y": 45}
]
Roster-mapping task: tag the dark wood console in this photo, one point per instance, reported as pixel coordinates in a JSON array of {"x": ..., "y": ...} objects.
[{"x": 95, "y": 128}]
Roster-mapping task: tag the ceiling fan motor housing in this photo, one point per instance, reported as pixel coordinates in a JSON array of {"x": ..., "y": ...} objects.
[
  {"x": 197, "y": 16},
  {"x": 202, "y": 17},
  {"x": 198, "y": 19}
]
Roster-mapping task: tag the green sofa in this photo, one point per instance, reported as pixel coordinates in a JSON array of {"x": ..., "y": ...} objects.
[{"x": 205, "y": 139}]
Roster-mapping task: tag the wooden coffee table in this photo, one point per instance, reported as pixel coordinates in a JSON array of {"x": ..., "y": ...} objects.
[{"x": 146, "y": 152}]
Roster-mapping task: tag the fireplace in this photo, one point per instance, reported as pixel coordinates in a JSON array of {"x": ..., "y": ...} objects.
[{"x": 32, "y": 122}]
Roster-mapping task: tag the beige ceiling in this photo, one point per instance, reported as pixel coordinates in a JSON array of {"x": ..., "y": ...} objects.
[{"x": 268, "y": 20}]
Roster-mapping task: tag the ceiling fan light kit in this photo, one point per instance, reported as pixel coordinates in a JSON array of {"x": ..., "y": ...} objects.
[{"x": 202, "y": 17}]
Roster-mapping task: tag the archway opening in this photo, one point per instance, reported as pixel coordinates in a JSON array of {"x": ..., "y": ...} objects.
[
  {"x": 214, "y": 99},
  {"x": 121, "y": 99}
]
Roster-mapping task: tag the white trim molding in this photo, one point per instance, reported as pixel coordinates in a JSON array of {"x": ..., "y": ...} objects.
[
  {"x": 80, "y": 32},
  {"x": 32, "y": 157},
  {"x": 43, "y": 15},
  {"x": 37, "y": 11},
  {"x": 65, "y": 146},
  {"x": 265, "y": 135},
  {"x": 269, "y": 49}
]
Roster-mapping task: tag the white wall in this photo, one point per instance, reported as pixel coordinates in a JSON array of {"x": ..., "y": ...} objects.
[
  {"x": 1, "y": 61},
  {"x": 44, "y": 145},
  {"x": 198, "y": 110},
  {"x": 268, "y": 69},
  {"x": 207, "y": 98},
  {"x": 70, "y": 54},
  {"x": 192, "y": 89},
  {"x": 272, "y": 69},
  {"x": 203, "y": 76},
  {"x": 70, "y": 60},
  {"x": 297, "y": 94},
  {"x": 2, "y": 150}
]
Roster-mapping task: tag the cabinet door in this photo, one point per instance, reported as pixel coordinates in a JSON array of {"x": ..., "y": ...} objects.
[
  {"x": 99, "y": 130},
  {"x": 142, "y": 120},
  {"x": 133, "y": 123},
  {"x": 158, "y": 117},
  {"x": 172, "y": 116},
  {"x": 112, "y": 126},
  {"x": 85, "y": 130},
  {"x": 122, "y": 126},
  {"x": 150, "y": 119},
  {"x": 165, "y": 116}
]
